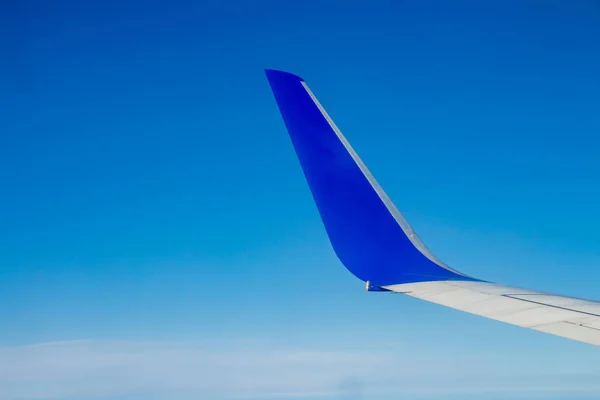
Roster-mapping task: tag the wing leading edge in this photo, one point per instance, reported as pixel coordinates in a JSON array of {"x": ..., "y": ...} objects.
[{"x": 376, "y": 244}]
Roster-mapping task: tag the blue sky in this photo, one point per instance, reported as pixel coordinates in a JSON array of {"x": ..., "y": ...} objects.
[{"x": 156, "y": 231}]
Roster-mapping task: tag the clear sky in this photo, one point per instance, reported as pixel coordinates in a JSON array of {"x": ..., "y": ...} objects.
[{"x": 158, "y": 240}]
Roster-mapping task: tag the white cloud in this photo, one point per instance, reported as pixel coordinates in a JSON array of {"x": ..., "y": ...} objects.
[
  {"x": 95, "y": 368},
  {"x": 228, "y": 370}
]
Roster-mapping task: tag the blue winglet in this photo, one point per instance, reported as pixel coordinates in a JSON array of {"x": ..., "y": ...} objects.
[{"x": 367, "y": 232}]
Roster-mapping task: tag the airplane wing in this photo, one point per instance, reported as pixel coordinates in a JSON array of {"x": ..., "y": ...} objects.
[{"x": 376, "y": 244}]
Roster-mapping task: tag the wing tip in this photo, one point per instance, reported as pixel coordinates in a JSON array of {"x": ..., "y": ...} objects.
[{"x": 275, "y": 74}]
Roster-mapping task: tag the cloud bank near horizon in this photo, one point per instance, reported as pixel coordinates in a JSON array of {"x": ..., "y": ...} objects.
[{"x": 233, "y": 370}]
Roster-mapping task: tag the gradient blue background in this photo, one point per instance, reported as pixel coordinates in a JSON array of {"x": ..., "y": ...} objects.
[{"x": 150, "y": 191}]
